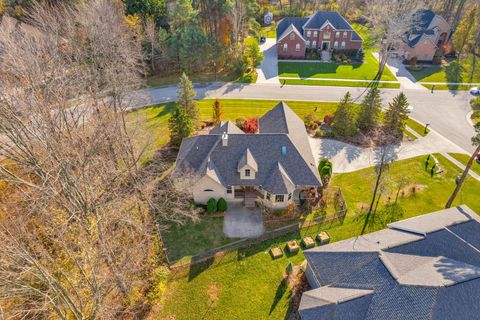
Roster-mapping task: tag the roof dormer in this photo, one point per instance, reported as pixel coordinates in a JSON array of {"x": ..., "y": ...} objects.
[{"x": 247, "y": 166}]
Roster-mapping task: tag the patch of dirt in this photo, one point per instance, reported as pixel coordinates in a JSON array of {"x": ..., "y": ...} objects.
[
  {"x": 213, "y": 291},
  {"x": 412, "y": 189}
]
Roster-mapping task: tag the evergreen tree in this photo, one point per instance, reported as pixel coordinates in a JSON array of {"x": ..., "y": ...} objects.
[
  {"x": 397, "y": 114},
  {"x": 181, "y": 126},
  {"x": 370, "y": 110},
  {"x": 464, "y": 36},
  {"x": 217, "y": 112},
  {"x": 185, "y": 98},
  {"x": 343, "y": 121}
]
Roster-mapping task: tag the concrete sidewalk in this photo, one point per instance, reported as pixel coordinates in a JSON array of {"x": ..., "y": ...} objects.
[
  {"x": 407, "y": 81},
  {"x": 461, "y": 166}
]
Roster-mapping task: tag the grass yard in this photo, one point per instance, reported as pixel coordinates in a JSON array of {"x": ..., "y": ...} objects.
[
  {"x": 334, "y": 83},
  {"x": 355, "y": 71},
  {"x": 366, "y": 34},
  {"x": 409, "y": 134},
  {"x": 249, "y": 278},
  {"x": 456, "y": 72},
  {"x": 150, "y": 125},
  {"x": 417, "y": 127},
  {"x": 463, "y": 158}
]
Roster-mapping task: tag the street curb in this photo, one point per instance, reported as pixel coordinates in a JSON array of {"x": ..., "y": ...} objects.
[{"x": 469, "y": 118}]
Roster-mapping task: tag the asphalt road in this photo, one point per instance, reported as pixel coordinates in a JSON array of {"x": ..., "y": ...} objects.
[{"x": 445, "y": 111}]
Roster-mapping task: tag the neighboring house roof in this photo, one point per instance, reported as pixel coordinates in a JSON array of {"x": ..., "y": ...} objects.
[
  {"x": 422, "y": 28},
  {"x": 285, "y": 23},
  {"x": 226, "y": 126},
  {"x": 427, "y": 267},
  {"x": 280, "y": 152},
  {"x": 315, "y": 21}
]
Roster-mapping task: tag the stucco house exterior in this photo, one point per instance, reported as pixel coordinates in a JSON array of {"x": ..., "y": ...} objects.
[
  {"x": 424, "y": 268},
  {"x": 275, "y": 166},
  {"x": 323, "y": 31},
  {"x": 429, "y": 33}
]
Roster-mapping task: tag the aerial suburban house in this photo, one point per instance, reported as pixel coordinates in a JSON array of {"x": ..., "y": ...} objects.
[
  {"x": 427, "y": 267},
  {"x": 274, "y": 166},
  {"x": 428, "y": 35},
  {"x": 324, "y": 31}
]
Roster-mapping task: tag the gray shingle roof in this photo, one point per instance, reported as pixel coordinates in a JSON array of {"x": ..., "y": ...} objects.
[
  {"x": 247, "y": 159},
  {"x": 280, "y": 130},
  {"x": 422, "y": 21},
  {"x": 315, "y": 21},
  {"x": 432, "y": 273},
  {"x": 226, "y": 126}
]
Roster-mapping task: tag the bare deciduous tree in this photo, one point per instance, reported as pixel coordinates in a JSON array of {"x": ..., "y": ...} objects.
[{"x": 390, "y": 20}]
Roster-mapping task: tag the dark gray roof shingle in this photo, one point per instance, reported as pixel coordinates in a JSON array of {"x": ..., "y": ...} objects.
[{"x": 433, "y": 275}]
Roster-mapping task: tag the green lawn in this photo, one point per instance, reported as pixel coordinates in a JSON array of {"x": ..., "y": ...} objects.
[
  {"x": 355, "y": 71},
  {"x": 269, "y": 31},
  {"x": 150, "y": 124},
  {"x": 455, "y": 72},
  {"x": 247, "y": 284},
  {"x": 334, "y": 83},
  {"x": 417, "y": 127},
  {"x": 463, "y": 158},
  {"x": 366, "y": 34},
  {"x": 411, "y": 135},
  {"x": 451, "y": 87}
]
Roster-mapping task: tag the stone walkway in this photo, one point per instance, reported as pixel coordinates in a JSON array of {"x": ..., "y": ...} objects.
[{"x": 348, "y": 158}]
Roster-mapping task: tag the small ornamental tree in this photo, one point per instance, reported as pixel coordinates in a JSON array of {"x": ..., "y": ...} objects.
[
  {"x": 250, "y": 125},
  {"x": 370, "y": 110},
  {"x": 328, "y": 119},
  {"x": 239, "y": 122},
  {"x": 397, "y": 115},
  {"x": 211, "y": 205},
  {"x": 217, "y": 112},
  {"x": 289, "y": 268},
  {"x": 325, "y": 170},
  {"x": 186, "y": 94},
  {"x": 222, "y": 205}
]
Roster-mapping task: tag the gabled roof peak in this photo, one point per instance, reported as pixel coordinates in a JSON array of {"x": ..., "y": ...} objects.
[{"x": 247, "y": 159}]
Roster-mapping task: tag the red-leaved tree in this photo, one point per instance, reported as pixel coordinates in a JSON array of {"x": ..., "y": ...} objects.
[{"x": 250, "y": 125}]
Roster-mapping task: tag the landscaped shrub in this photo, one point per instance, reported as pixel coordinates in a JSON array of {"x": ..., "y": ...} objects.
[
  {"x": 239, "y": 122},
  {"x": 211, "y": 205},
  {"x": 325, "y": 170},
  {"x": 328, "y": 119},
  {"x": 475, "y": 103},
  {"x": 222, "y": 205},
  {"x": 413, "y": 61},
  {"x": 250, "y": 125}
]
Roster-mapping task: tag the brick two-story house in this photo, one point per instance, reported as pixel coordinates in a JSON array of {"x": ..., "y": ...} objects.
[{"x": 320, "y": 31}]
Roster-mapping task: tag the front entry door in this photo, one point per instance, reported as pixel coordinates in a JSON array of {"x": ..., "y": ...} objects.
[{"x": 325, "y": 45}]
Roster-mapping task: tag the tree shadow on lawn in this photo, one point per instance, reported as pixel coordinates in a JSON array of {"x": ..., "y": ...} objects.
[
  {"x": 167, "y": 109},
  {"x": 265, "y": 245},
  {"x": 453, "y": 72},
  {"x": 281, "y": 289},
  {"x": 198, "y": 268}
]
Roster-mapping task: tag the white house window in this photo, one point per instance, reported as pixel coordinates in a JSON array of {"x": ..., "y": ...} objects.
[
  {"x": 297, "y": 47},
  {"x": 345, "y": 34},
  {"x": 285, "y": 46},
  {"x": 326, "y": 35},
  {"x": 229, "y": 189},
  {"x": 309, "y": 33},
  {"x": 315, "y": 33},
  {"x": 289, "y": 196},
  {"x": 314, "y": 44},
  {"x": 337, "y": 34},
  {"x": 247, "y": 172},
  {"x": 307, "y": 43},
  {"x": 279, "y": 198},
  {"x": 343, "y": 44},
  {"x": 292, "y": 36},
  {"x": 335, "y": 44}
]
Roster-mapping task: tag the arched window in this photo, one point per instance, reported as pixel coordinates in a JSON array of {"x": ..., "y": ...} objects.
[
  {"x": 208, "y": 190},
  {"x": 285, "y": 46},
  {"x": 343, "y": 44},
  {"x": 297, "y": 47}
]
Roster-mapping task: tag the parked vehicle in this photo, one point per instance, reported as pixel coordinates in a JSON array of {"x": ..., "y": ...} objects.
[
  {"x": 475, "y": 91},
  {"x": 263, "y": 38}
]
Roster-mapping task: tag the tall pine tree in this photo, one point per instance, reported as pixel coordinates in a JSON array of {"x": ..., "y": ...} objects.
[
  {"x": 185, "y": 98},
  {"x": 344, "y": 121},
  {"x": 397, "y": 114},
  {"x": 370, "y": 110},
  {"x": 180, "y": 126}
]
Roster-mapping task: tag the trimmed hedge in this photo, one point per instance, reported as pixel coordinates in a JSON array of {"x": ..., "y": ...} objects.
[
  {"x": 211, "y": 205},
  {"x": 222, "y": 205}
]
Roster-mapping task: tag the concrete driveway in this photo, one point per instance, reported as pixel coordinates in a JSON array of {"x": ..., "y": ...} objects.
[
  {"x": 240, "y": 222},
  {"x": 348, "y": 158},
  {"x": 268, "y": 70}
]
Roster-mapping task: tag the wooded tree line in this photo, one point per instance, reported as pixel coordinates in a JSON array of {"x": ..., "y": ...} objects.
[{"x": 78, "y": 231}]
